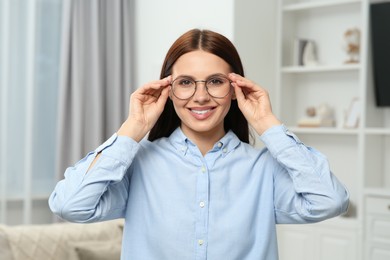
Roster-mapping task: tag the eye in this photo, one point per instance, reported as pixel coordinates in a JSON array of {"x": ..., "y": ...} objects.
[
  {"x": 216, "y": 81},
  {"x": 185, "y": 82}
]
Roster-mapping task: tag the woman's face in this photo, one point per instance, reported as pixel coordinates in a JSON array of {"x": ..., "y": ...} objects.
[{"x": 201, "y": 114}]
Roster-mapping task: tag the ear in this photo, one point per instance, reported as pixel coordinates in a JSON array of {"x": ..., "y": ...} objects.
[
  {"x": 170, "y": 92},
  {"x": 234, "y": 95}
]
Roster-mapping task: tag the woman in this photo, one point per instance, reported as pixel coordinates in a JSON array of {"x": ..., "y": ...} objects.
[{"x": 196, "y": 189}]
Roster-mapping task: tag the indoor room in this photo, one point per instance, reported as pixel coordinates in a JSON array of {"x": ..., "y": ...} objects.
[{"x": 315, "y": 78}]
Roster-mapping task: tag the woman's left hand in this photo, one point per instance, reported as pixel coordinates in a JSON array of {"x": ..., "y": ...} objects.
[{"x": 254, "y": 103}]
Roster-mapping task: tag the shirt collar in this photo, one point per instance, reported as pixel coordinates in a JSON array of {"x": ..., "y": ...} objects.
[{"x": 225, "y": 145}]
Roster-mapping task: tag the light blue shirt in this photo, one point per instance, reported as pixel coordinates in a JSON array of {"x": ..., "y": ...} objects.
[{"x": 179, "y": 205}]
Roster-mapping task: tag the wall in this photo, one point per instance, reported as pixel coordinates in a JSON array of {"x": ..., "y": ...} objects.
[
  {"x": 255, "y": 39},
  {"x": 159, "y": 23}
]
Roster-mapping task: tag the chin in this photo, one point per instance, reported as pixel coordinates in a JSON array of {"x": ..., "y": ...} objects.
[{"x": 204, "y": 127}]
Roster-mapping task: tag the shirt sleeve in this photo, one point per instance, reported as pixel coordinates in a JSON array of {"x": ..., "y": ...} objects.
[
  {"x": 305, "y": 190},
  {"x": 101, "y": 193}
]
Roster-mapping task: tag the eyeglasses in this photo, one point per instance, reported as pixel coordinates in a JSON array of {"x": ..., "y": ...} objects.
[{"x": 217, "y": 86}]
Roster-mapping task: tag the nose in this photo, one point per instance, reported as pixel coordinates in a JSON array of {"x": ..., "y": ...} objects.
[{"x": 201, "y": 94}]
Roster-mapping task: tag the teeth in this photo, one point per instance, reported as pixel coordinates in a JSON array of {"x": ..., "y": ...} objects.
[{"x": 200, "y": 112}]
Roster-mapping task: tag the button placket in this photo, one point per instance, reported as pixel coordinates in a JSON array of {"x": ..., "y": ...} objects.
[{"x": 202, "y": 192}]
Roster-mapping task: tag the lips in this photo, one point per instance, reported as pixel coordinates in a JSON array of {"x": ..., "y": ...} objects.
[{"x": 201, "y": 112}]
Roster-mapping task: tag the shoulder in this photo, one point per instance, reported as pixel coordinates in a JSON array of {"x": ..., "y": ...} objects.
[
  {"x": 161, "y": 143},
  {"x": 251, "y": 152},
  {"x": 161, "y": 147},
  {"x": 257, "y": 154}
]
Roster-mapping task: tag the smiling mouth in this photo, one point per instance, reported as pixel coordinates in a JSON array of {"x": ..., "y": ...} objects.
[{"x": 200, "y": 112}]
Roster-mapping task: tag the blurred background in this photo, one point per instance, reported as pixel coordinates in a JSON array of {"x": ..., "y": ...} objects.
[{"x": 67, "y": 69}]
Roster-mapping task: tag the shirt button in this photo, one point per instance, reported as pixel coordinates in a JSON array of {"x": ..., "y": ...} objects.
[
  {"x": 203, "y": 169},
  {"x": 200, "y": 242},
  {"x": 224, "y": 150},
  {"x": 201, "y": 204},
  {"x": 219, "y": 144}
]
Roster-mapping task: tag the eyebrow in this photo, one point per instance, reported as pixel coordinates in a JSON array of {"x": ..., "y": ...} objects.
[{"x": 209, "y": 76}]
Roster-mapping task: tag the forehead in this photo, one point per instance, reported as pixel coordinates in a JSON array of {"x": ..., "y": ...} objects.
[{"x": 200, "y": 64}]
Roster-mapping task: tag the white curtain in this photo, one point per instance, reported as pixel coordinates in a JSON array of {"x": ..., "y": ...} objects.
[
  {"x": 29, "y": 57},
  {"x": 95, "y": 76}
]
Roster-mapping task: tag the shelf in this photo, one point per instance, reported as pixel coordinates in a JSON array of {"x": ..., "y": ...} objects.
[
  {"x": 323, "y": 130},
  {"x": 318, "y": 4},
  {"x": 383, "y": 192},
  {"x": 377, "y": 131},
  {"x": 358, "y": 156},
  {"x": 327, "y": 68}
]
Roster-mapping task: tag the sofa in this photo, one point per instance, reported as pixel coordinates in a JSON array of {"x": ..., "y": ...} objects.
[{"x": 62, "y": 241}]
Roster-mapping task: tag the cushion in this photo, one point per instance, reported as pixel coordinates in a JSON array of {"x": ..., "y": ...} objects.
[
  {"x": 5, "y": 249},
  {"x": 51, "y": 242},
  {"x": 98, "y": 250}
]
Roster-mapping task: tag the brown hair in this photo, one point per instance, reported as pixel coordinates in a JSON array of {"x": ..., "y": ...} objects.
[{"x": 216, "y": 44}]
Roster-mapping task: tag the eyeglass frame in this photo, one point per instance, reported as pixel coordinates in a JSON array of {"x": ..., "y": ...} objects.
[{"x": 205, "y": 84}]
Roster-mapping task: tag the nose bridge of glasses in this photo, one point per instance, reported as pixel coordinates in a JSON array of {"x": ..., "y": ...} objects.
[
  {"x": 202, "y": 81},
  {"x": 205, "y": 88}
]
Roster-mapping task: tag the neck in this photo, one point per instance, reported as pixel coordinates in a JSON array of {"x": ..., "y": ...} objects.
[{"x": 205, "y": 140}]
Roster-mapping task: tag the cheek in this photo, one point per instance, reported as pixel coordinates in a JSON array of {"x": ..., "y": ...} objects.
[
  {"x": 226, "y": 106},
  {"x": 227, "y": 102},
  {"x": 178, "y": 105}
]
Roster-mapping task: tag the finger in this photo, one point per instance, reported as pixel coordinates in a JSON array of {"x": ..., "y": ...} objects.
[
  {"x": 238, "y": 78},
  {"x": 240, "y": 96},
  {"x": 247, "y": 85},
  {"x": 234, "y": 76},
  {"x": 158, "y": 84},
  {"x": 243, "y": 82},
  {"x": 163, "y": 82},
  {"x": 163, "y": 97},
  {"x": 154, "y": 88}
]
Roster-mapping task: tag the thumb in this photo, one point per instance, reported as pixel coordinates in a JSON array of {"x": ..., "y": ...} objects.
[
  {"x": 163, "y": 97},
  {"x": 240, "y": 96}
]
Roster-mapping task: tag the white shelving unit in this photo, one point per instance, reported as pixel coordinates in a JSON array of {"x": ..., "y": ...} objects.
[
  {"x": 358, "y": 156},
  {"x": 323, "y": 68},
  {"x": 304, "y": 5}
]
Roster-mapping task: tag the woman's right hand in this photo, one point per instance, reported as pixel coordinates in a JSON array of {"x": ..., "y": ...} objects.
[{"x": 146, "y": 106}]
